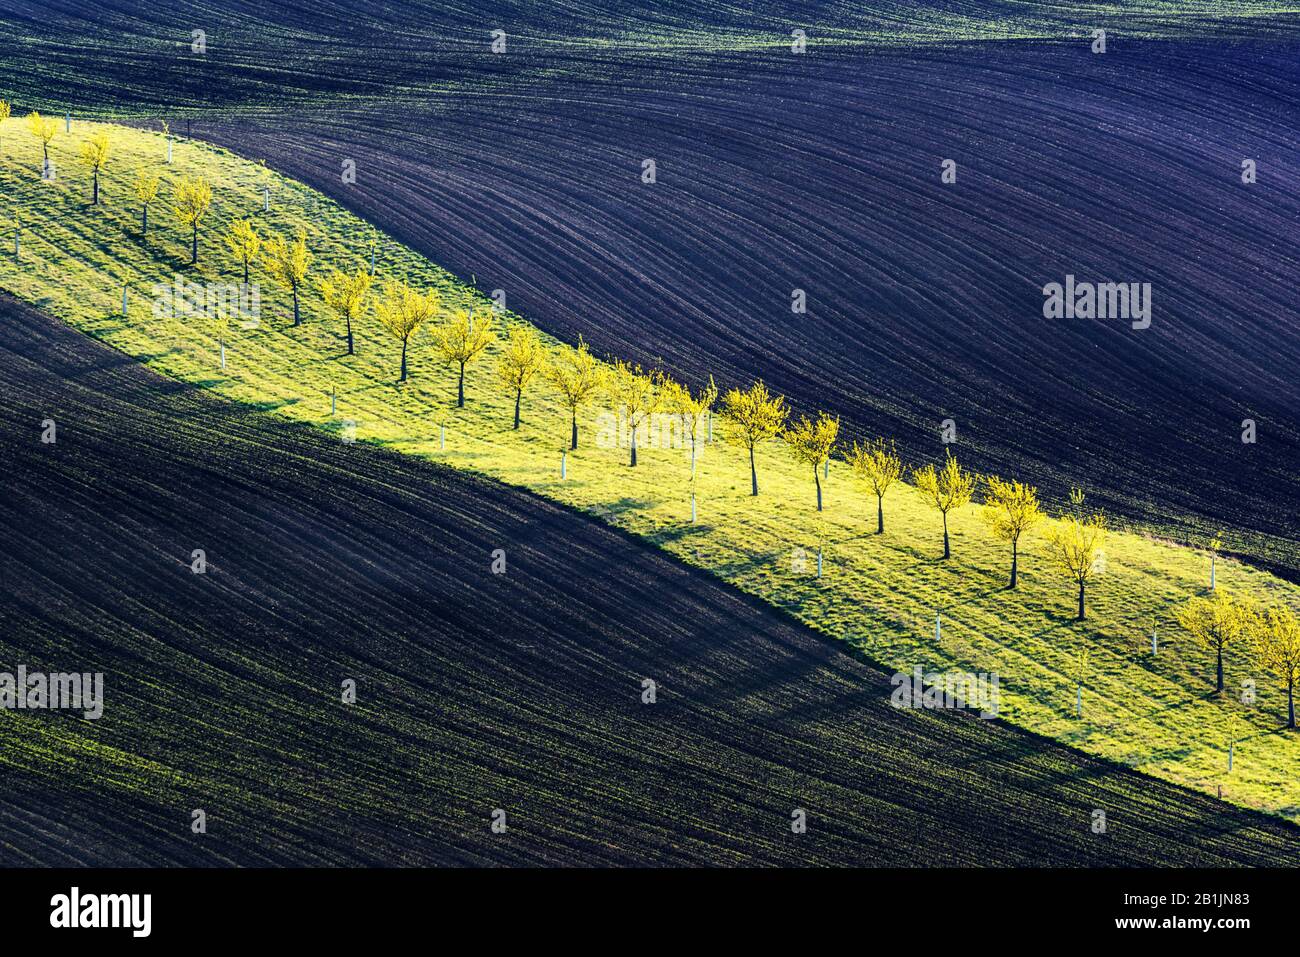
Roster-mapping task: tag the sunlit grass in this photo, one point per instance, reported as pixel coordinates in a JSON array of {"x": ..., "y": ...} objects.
[{"x": 878, "y": 593}]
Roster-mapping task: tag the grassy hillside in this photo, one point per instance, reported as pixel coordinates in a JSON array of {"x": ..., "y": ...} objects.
[
  {"x": 879, "y": 594},
  {"x": 924, "y": 299},
  {"x": 475, "y": 691}
]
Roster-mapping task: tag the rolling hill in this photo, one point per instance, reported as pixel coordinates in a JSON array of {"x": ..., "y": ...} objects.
[
  {"x": 775, "y": 172},
  {"x": 474, "y": 691},
  {"x": 925, "y": 300},
  {"x": 1147, "y": 707}
]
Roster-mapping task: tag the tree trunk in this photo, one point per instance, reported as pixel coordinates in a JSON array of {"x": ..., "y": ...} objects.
[
  {"x": 145, "y": 230},
  {"x": 753, "y": 473},
  {"x": 817, "y": 479},
  {"x": 946, "y": 550},
  {"x": 295, "y": 317},
  {"x": 402, "y": 377},
  {"x": 880, "y": 514},
  {"x": 1014, "y": 549},
  {"x": 460, "y": 388},
  {"x": 245, "y": 275},
  {"x": 94, "y": 194},
  {"x": 574, "y": 444},
  {"x": 1082, "y": 613},
  {"x": 194, "y": 245},
  {"x": 1219, "y": 670},
  {"x": 1290, "y": 705},
  {"x": 518, "y": 395},
  {"x": 633, "y": 463},
  {"x": 349, "y": 321}
]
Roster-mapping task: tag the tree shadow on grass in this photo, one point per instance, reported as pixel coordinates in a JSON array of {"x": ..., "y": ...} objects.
[
  {"x": 611, "y": 510},
  {"x": 1058, "y": 621},
  {"x": 1153, "y": 715},
  {"x": 1001, "y": 757},
  {"x": 972, "y": 599},
  {"x": 116, "y": 361},
  {"x": 922, "y": 558},
  {"x": 682, "y": 531},
  {"x": 156, "y": 355},
  {"x": 746, "y": 563},
  {"x": 269, "y": 405},
  {"x": 178, "y": 263},
  {"x": 1280, "y": 731}
]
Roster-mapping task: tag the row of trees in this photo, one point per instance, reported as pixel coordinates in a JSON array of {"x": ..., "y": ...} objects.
[
  {"x": 1271, "y": 634},
  {"x": 191, "y": 204},
  {"x": 1010, "y": 508},
  {"x": 401, "y": 310},
  {"x": 755, "y": 415},
  {"x": 94, "y": 151}
]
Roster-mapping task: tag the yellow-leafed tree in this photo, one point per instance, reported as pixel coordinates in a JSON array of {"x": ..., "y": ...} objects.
[
  {"x": 578, "y": 375},
  {"x": 244, "y": 242},
  {"x": 402, "y": 310},
  {"x": 521, "y": 360},
  {"x": 94, "y": 156},
  {"x": 812, "y": 443},
  {"x": 880, "y": 467},
  {"x": 1277, "y": 645},
  {"x": 945, "y": 489},
  {"x": 754, "y": 415},
  {"x": 1074, "y": 544},
  {"x": 1217, "y": 622},
  {"x": 1010, "y": 510},
  {"x": 693, "y": 407},
  {"x": 462, "y": 339},
  {"x": 347, "y": 296},
  {"x": 145, "y": 189},
  {"x": 193, "y": 200},
  {"x": 638, "y": 393},
  {"x": 6, "y": 110},
  {"x": 44, "y": 129},
  {"x": 287, "y": 261}
]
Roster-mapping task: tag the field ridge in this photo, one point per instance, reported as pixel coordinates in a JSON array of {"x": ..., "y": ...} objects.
[{"x": 879, "y": 595}]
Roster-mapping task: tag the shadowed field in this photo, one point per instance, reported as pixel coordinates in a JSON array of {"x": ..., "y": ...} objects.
[
  {"x": 475, "y": 691},
  {"x": 98, "y": 55},
  {"x": 818, "y": 172},
  {"x": 1146, "y": 706},
  {"x": 821, "y": 173},
  {"x": 522, "y": 691}
]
